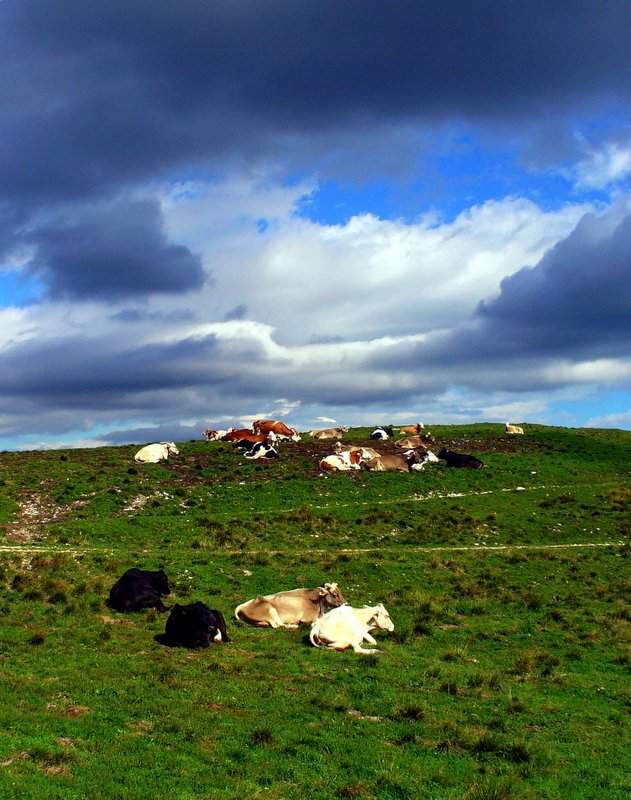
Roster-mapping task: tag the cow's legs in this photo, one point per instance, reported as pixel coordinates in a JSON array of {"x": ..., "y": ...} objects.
[
  {"x": 358, "y": 649},
  {"x": 368, "y": 638}
]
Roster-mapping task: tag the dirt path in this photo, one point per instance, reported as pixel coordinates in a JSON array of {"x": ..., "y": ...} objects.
[{"x": 19, "y": 549}]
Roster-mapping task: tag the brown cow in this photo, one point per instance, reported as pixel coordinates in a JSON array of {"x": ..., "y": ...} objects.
[
  {"x": 411, "y": 460},
  {"x": 289, "y": 609},
  {"x": 275, "y": 426},
  {"x": 412, "y": 428},
  {"x": 416, "y": 441},
  {"x": 239, "y": 433}
]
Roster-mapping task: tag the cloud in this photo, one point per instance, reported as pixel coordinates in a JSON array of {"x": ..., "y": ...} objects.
[
  {"x": 603, "y": 166},
  {"x": 112, "y": 251},
  {"x": 98, "y": 103}
]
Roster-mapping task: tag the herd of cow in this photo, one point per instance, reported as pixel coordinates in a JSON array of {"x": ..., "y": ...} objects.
[
  {"x": 261, "y": 441},
  {"x": 334, "y": 624}
]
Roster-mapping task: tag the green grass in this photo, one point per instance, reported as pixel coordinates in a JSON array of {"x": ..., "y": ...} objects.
[{"x": 507, "y": 675}]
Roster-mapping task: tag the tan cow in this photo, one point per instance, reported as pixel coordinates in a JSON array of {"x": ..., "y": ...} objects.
[
  {"x": 275, "y": 426},
  {"x": 422, "y": 440},
  {"x": 512, "y": 429},
  {"x": 412, "y": 428},
  {"x": 365, "y": 453},
  {"x": 406, "y": 462},
  {"x": 329, "y": 433},
  {"x": 289, "y": 609}
]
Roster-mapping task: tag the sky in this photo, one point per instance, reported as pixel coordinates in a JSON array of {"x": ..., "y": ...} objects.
[{"x": 362, "y": 212}]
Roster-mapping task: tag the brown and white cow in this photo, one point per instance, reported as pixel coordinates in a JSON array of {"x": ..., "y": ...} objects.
[
  {"x": 341, "y": 462},
  {"x": 289, "y": 609},
  {"x": 329, "y": 433},
  {"x": 275, "y": 426}
]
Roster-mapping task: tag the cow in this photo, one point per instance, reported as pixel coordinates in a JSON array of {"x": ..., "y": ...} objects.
[
  {"x": 382, "y": 433},
  {"x": 274, "y": 426},
  {"x": 513, "y": 428},
  {"x": 215, "y": 436},
  {"x": 414, "y": 429},
  {"x": 329, "y": 433},
  {"x": 261, "y": 450},
  {"x": 248, "y": 440},
  {"x": 194, "y": 626},
  {"x": 341, "y": 462},
  {"x": 364, "y": 452},
  {"x": 460, "y": 460},
  {"x": 154, "y": 453},
  {"x": 346, "y": 627},
  {"x": 137, "y": 589},
  {"x": 289, "y": 609},
  {"x": 422, "y": 440},
  {"x": 409, "y": 461},
  {"x": 236, "y": 434}
]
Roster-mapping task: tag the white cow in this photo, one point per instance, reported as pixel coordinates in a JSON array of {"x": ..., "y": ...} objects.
[
  {"x": 513, "y": 428},
  {"x": 346, "y": 627},
  {"x": 154, "y": 453}
]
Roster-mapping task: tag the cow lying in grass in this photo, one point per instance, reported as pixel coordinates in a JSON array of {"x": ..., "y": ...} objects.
[
  {"x": 415, "y": 429},
  {"x": 512, "y": 429},
  {"x": 289, "y": 609},
  {"x": 365, "y": 453},
  {"x": 137, "y": 589},
  {"x": 193, "y": 626},
  {"x": 411, "y": 460},
  {"x": 422, "y": 440},
  {"x": 341, "y": 462},
  {"x": 328, "y": 433},
  {"x": 154, "y": 453},
  {"x": 346, "y": 627},
  {"x": 460, "y": 460}
]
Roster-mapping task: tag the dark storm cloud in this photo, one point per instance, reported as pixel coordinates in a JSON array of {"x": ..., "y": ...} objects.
[
  {"x": 575, "y": 304},
  {"x": 96, "y": 99},
  {"x": 113, "y": 252}
]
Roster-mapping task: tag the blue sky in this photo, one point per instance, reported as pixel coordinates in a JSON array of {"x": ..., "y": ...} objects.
[{"x": 427, "y": 220}]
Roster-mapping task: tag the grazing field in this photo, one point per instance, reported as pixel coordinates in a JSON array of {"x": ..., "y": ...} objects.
[{"x": 507, "y": 675}]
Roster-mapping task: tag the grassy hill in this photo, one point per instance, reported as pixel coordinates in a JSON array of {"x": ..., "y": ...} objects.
[{"x": 507, "y": 675}]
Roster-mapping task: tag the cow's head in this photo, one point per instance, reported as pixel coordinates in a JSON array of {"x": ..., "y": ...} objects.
[
  {"x": 381, "y": 619},
  {"x": 172, "y": 449},
  {"x": 330, "y": 595},
  {"x": 161, "y": 582},
  {"x": 413, "y": 457},
  {"x": 338, "y": 447},
  {"x": 272, "y": 438},
  {"x": 429, "y": 456},
  {"x": 210, "y": 435},
  {"x": 295, "y": 436}
]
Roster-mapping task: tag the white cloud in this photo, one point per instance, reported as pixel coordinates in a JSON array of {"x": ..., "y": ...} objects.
[
  {"x": 604, "y": 166},
  {"x": 621, "y": 419}
]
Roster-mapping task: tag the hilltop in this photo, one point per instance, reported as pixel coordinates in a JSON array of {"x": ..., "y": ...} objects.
[{"x": 506, "y": 676}]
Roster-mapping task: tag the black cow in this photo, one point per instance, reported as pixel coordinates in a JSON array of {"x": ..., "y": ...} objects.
[
  {"x": 461, "y": 460},
  {"x": 138, "y": 589},
  {"x": 194, "y": 626}
]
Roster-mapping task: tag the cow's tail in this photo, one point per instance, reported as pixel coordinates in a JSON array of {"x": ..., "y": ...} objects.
[
  {"x": 313, "y": 635},
  {"x": 238, "y": 609}
]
